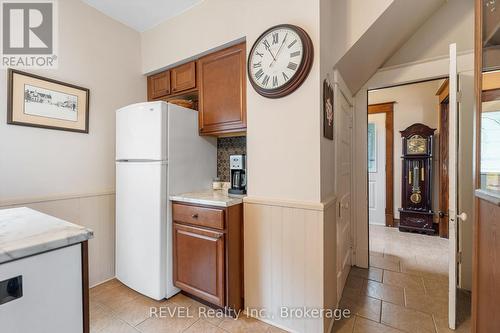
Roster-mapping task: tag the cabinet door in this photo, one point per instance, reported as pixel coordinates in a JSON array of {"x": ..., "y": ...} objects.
[
  {"x": 199, "y": 262},
  {"x": 159, "y": 85},
  {"x": 222, "y": 84},
  {"x": 183, "y": 77}
]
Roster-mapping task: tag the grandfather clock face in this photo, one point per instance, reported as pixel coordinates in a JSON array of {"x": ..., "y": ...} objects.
[{"x": 416, "y": 145}]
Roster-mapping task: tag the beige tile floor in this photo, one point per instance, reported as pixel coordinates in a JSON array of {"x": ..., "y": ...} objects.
[
  {"x": 404, "y": 290},
  {"x": 114, "y": 308}
]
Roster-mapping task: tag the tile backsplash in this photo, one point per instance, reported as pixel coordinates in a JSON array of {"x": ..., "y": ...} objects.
[{"x": 227, "y": 146}]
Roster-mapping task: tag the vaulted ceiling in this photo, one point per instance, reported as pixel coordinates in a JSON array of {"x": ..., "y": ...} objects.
[{"x": 383, "y": 38}]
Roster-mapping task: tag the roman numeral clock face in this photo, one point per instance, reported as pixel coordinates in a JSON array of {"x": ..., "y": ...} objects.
[{"x": 280, "y": 61}]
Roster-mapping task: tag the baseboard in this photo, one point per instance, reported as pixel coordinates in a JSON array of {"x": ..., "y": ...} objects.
[
  {"x": 267, "y": 321},
  {"x": 97, "y": 284}
]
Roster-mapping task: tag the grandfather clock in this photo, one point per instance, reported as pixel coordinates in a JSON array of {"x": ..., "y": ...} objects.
[{"x": 416, "y": 197}]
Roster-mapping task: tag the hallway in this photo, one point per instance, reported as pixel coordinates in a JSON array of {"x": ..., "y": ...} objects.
[{"x": 405, "y": 289}]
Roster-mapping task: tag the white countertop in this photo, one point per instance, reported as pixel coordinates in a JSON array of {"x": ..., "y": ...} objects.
[
  {"x": 25, "y": 232},
  {"x": 218, "y": 198}
]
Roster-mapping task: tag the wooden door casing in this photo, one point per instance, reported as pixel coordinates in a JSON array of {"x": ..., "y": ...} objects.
[
  {"x": 487, "y": 267},
  {"x": 486, "y": 238},
  {"x": 388, "y": 109},
  {"x": 222, "y": 90},
  {"x": 183, "y": 77},
  {"x": 159, "y": 85},
  {"x": 443, "y": 169},
  {"x": 199, "y": 257}
]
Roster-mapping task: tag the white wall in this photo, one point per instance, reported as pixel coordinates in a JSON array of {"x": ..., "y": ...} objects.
[
  {"x": 415, "y": 103},
  {"x": 97, "y": 53},
  {"x": 281, "y": 132},
  {"x": 453, "y": 22},
  {"x": 41, "y": 165}
]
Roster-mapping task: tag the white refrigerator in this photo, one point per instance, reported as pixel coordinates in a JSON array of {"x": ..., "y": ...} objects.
[{"x": 158, "y": 153}]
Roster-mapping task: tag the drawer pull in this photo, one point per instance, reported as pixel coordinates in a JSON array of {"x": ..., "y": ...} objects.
[{"x": 194, "y": 216}]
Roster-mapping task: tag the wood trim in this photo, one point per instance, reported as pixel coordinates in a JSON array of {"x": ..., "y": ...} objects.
[
  {"x": 388, "y": 109},
  {"x": 443, "y": 91},
  {"x": 443, "y": 196},
  {"x": 235, "y": 282},
  {"x": 23, "y": 201},
  {"x": 306, "y": 205},
  {"x": 490, "y": 95},
  {"x": 85, "y": 287},
  {"x": 490, "y": 81}
]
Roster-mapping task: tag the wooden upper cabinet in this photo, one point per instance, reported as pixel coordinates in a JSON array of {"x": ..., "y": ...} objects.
[
  {"x": 222, "y": 91},
  {"x": 159, "y": 85},
  {"x": 183, "y": 77}
]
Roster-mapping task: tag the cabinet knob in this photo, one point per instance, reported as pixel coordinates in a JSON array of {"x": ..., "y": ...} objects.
[{"x": 194, "y": 216}]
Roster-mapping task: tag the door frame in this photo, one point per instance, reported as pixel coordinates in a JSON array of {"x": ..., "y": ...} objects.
[
  {"x": 443, "y": 93},
  {"x": 388, "y": 109},
  {"x": 384, "y": 78},
  {"x": 487, "y": 89}
]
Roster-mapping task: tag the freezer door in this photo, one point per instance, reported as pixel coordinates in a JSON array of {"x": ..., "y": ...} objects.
[
  {"x": 141, "y": 132},
  {"x": 141, "y": 226}
]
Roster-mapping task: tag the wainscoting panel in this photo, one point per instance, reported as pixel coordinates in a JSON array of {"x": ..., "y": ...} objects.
[
  {"x": 284, "y": 262},
  {"x": 95, "y": 211}
]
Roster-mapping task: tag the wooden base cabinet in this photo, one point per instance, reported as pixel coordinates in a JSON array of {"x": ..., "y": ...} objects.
[
  {"x": 208, "y": 253},
  {"x": 199, "y": 268}
]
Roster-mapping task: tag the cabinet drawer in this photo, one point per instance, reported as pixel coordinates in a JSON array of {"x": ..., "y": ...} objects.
[{"x": 201, "y": 216}]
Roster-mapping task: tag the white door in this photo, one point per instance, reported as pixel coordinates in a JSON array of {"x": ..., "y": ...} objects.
[
  {"x": 141, "y": 132},
  {"x": 343, "y": 137},
  {"x": 453, "y": 213},
  {"x": 141, "y": 227},
  {"x": 376, "y": 168}
]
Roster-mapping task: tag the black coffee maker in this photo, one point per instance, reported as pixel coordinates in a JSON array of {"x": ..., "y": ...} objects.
[{"x": 237, "y": 167}]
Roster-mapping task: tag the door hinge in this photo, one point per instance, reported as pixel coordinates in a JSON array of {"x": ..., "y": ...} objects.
[
  {"x": 459, "y": 257},
  {"x": 459, "y": 96}
]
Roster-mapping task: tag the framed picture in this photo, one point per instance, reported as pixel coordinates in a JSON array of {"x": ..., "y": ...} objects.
[
  {"x": 327, "y": 110},
  {"x": 41, "y": 102}
]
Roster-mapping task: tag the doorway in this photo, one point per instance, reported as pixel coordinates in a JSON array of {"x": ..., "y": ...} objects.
[
  {"x": 390, "y": 111},
  {"x": 413, "y": 260},
  {"x": 380, "y": 163}
]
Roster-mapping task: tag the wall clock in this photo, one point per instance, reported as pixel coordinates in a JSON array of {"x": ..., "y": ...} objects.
[{"x": 280, "y": 60}]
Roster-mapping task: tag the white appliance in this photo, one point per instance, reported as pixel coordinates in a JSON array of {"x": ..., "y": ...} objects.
[{"x": 158, "y": 153}]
